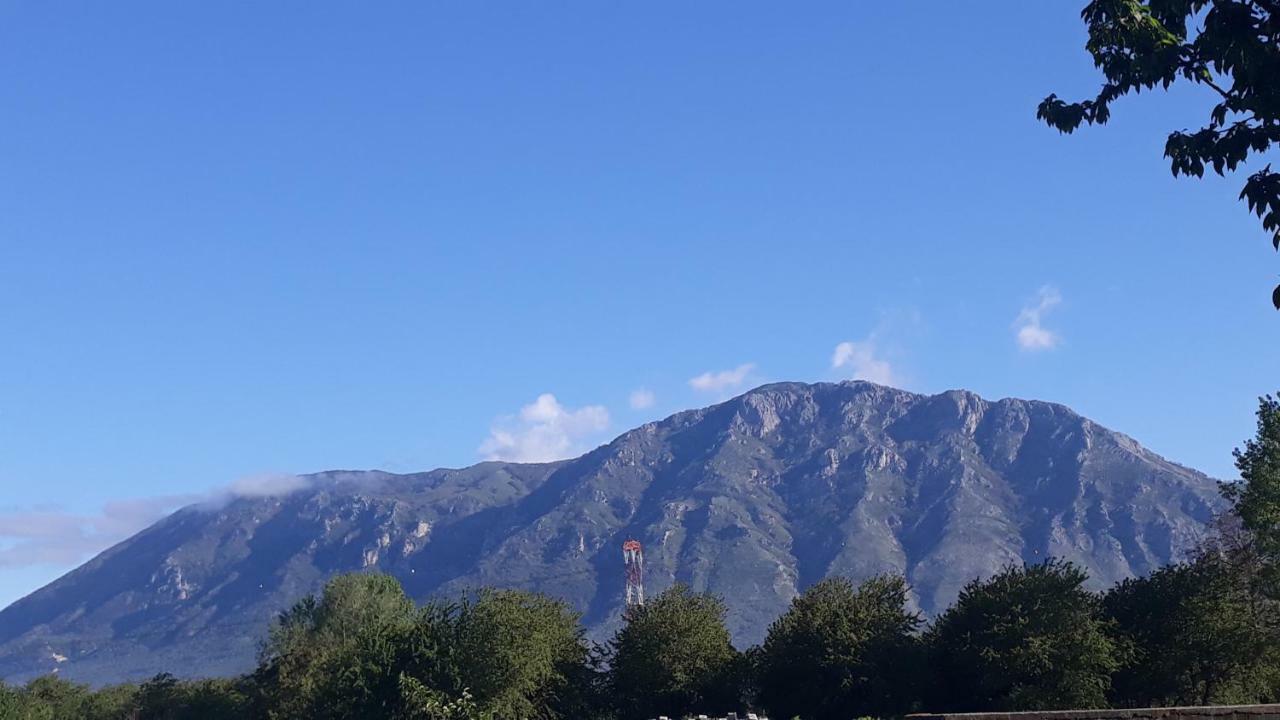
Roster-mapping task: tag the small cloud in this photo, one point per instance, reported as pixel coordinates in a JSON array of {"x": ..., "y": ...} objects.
[
  {"x": 50, "y": 535},
  {"x": 723, "y": 381},
  {"x": 544, "y": 430},
  {"x": 641, "y": 399},
  {"x": 859, "y": 361},
  {"x": 1031, "y": 333},
  {"x": 266, "y": 485},
  {"x": 55, "y": 537}
]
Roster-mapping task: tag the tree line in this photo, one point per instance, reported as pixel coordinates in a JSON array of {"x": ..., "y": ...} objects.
[{"x": 1032, "y": 637}]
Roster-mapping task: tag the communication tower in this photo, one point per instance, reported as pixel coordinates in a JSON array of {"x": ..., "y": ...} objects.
[{"x": 633, "y": 562}]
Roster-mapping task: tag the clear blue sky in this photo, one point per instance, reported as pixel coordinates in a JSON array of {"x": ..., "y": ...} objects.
[{"x": 245, "y": 238}]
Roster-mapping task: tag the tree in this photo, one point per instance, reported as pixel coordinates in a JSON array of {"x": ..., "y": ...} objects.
[
  {"x": 115, "y": 702},
  {"x": 1229, "y": 46},
  {"x": 10, "y": 701},
  {"x": 521, "y": 655},
  {"x": 1030, "y": 638},
  {"x": 1197, "y": 636},
  {"x": 164, "y": 697},
  {"x": 1255, "y": 499},
  {"x": 364, "y": 650},
  {"x": 841, "y": 652},
  {"x": 421, "y": 702},
  {"x": 341, "y": 655},
  {"x": 50, "y": 697},
  {"x": 673, "y": 657}
]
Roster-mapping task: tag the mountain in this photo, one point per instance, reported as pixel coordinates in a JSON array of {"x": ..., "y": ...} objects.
[{"x": 755, "y": 499}]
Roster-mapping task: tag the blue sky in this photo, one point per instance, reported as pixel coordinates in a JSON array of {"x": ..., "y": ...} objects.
[{"x": 239, "y": 240}]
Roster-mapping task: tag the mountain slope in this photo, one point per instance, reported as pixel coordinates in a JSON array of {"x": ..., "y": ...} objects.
[{"x": 755, "y": 499}]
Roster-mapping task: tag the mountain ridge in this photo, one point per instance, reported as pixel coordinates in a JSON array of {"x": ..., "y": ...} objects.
[{"x": 754, "y": 498}]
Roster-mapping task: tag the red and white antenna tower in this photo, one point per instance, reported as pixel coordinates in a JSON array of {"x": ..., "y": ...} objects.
[{"x": 633, "y": 561}]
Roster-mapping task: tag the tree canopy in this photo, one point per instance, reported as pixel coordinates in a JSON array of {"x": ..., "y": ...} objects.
[
  {"x": 161, "y": 698},
  {"x": 521, "y": 655},
  {"x": 1231, "y": 47},
  {"x": 1255, "y": 498},
  {"x": 674, "y": 657},
  {"x": 841, "y": 652},
  {"x": 339, "y": 655},
  {"x": 363, "y": 649},
  {"x": 1030, "y": 638},
  {"x": 1196, "y": 634}
]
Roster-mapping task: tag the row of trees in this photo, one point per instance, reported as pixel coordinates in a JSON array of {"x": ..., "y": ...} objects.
[{"x": 1031, "y": 637}]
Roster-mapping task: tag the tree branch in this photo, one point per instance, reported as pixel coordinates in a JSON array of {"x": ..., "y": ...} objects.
[{"x": 1225, "y": 95}]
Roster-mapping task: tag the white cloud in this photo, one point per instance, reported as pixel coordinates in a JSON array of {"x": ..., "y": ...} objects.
[
  {"x": 56, "y": 537},
  {"x": 544, "y": 430},
  {"x": 1031, "y": 333},
  {"x": 723, "y": 381},
  {"x": 641, "y": 399},
  {"x": 53, "y": 536},
  {"x": 266, "y": 485},
  {"x": 860, "y": 362}
]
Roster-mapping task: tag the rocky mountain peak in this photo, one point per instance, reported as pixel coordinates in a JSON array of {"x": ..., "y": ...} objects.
[{"x": 754, "y": 498}]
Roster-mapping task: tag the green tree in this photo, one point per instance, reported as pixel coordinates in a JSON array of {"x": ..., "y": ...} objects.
[
  {"x": 420, "y": 702},
  {"x": 115, "y": 702},
  {"x": 50, "y": 697},
  {"x": 1231, "y": 47},
  {"x": 1255, "y": 499},
  {"x": 53, "y": 698},
  {"x": 521, "y": 655},
  {"x": 1195, "y": 634},
  {"x": 841, "y": 652},
  {"x": 341, "y": 655},
  {"x": 673, "y": 657},
  {"x": 11, "y": 701},
  {"x": 164, "y": 697},
  {"x": 364, "y": 650},
  {"x": 1030, "y": 638}
]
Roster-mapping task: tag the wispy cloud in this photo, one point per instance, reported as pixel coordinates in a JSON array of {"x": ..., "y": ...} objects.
[
  {"x": 53, "y": 536},
  {"x": 723, "y": 381},
  {"x": 1031, "y": 333},
  {"x": 861, "y": 361},
  {"x": 641, "y": 399},
  {"x": 49, "y": 536},
  {"x": 544, "y": 430},
  {"x": 266, "y": 485}
]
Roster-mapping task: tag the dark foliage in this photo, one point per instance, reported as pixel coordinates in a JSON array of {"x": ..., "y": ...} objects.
[
  {"x": 673, "y": 657},
  {"x": 161, "y": 698},
  {"x": 364, "y": 650},
  {"x": 841, "y": 652},
  {"x": 1197, "y": 636},
  {"x": 1030, "y": 638},
  {"x": 1231, "y": 47},
  {"x": 1255, "y": 498}
]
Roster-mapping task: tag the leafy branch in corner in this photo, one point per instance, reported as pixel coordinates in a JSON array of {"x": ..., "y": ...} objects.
[{"x": 1230, "y": 46}]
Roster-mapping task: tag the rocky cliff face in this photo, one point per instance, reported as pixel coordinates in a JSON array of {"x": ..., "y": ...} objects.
[{"x": 754, "y": 499}]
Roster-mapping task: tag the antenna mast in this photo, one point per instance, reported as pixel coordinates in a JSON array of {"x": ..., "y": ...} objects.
[{"x": 633, "y": 562}]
